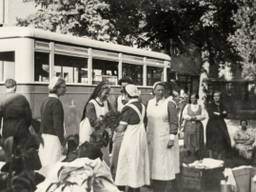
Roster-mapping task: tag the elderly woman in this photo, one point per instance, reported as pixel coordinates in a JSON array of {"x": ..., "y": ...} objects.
[
  {"x": 193, "y": 114},
  {"x": 217, "y": 136},
  {"x": 133, "y": 160},
  {"x": 244, "y": 140},
  {"x": 52, "y": 118},
  {"x": 162, "y": 136},
  {"x": 96, "y": 107}
]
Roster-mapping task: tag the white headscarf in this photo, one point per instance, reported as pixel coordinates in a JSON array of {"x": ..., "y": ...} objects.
[
  {"x": 53, "y": 82},
  {"x": 155, "y": 84},
  {"x": 132, "y": 90}
]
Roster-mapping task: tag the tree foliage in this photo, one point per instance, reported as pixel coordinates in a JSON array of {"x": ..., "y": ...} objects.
[
  {"x": 170, "y": 25},
  {"x": 128, "y": 17},
  {"x": 175, "y": 24},
  {"x": 244, "y": 38},
  {"x": 77, "y": 17}
]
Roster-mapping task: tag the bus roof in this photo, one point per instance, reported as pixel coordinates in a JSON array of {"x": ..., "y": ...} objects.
[{"x": 16, "y": 32}]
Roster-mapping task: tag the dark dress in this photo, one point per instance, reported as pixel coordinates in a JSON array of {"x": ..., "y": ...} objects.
[
  {"x": 52, "y": 129},
  {"x": 52, "y": 118},
  {"x": 17, "y": 116},
  {"x": 217, "y": 136},
  {"x": 133, "y": 162},
  {"x": 129, "y": 116}
]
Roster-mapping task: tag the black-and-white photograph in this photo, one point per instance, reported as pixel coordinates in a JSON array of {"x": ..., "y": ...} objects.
[{"x": 127, "y": 95}]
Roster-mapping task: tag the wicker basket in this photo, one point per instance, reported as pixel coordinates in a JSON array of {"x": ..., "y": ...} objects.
[{"x": 201, "y": 179}]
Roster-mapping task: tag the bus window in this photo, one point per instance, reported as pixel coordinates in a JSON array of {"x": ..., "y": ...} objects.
[
  {"x": 154, "y": 74},
  {"x": 133, "y": 71},
  {"x": 104, "y": 71},
  {"x": 72, "y": 69},
  {"x": 41, "y": 67},
  {"x": 7, "y": 65}
]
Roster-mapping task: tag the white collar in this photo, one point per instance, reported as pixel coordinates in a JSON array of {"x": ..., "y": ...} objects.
[
  {"x": 97, "y": 99},
  {"x": 159, "y": 101},
  {"x": 11, "y": 90},
  {"x": 133, "y": 100},
  {"x": 53, "y": 95}
]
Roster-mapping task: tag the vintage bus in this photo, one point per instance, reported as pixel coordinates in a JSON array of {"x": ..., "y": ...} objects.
[{"x": 32, "y": 57}]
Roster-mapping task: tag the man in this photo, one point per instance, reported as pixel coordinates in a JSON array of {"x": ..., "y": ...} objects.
[
  {"x": 121, "y": 100},
  {"x": 15, "y": 113}
]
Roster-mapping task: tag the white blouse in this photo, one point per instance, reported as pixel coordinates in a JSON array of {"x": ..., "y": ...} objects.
[{"x": 194, "y": 108}]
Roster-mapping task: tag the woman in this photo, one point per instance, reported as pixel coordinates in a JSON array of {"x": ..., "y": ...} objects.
[
  {"x": 162, "y": 136},
  {"x": 244, "y": 139},
  {"x": 52, "y": 118},
  {"x": 217, "y": 136},
  {"x": 15, "y": 113},
  {"x": 96, "y": 107},
  {"x": 172, "y": 95},
  {"x": 133, "y": 161},
  {"x": 118, "y": 137},
  {"x": 16, "y": 116},
  {"x": 193, "y": 114}
]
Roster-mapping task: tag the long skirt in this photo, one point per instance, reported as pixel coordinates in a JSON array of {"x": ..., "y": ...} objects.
[
  {"x": 50, "y": 151},
  {"x": 117, "y": 141},
  {"x": 194, "y": 136},
  {"x": 133, "y": 161},
  {"x": 217, "y": 136}
]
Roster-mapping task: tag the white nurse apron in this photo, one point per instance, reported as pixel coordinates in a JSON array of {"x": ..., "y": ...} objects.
[
  {"x": 133, "y": 160},
  {"x": 50, "y": 151},
  {"x": 86, "y": 130},
  {"x": 162, "y": 159}
]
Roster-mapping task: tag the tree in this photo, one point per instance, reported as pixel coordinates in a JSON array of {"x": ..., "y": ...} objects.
[
  {"x": 244, "y": 38},
  {"x": 169, "y": 25},
  {"x": 206, "y": 23},
  {"x": 76, "y": 17},
  {"x": 128, "y": 18}
]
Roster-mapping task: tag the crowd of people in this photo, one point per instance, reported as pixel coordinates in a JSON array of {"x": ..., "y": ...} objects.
[{"x": 144, "y": 145}]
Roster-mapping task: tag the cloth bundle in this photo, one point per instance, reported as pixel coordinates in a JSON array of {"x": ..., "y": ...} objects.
[
  {"x": 80, "y": 175},
  {"x": 207, "y": 163}
]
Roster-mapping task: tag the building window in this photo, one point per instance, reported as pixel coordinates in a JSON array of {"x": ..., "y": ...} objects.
[
  {"x": 133, "y": 71},
  {"x": 154, "y": 74},
  {"x": 41, "y": 67},
  {"x": 104, "y": 71},
  {"x": 72, "y": 69},
  {"x": 7, "y": 65}
]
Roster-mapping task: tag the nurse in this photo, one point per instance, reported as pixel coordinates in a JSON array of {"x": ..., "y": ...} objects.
[
  {"x": 52, "y": 123},
  {"x": 118, "y": 137},
  {"x": 133, "y": 161},
  {"x": 162, "y": 136},
  {"x": 96, "y": 107}
]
